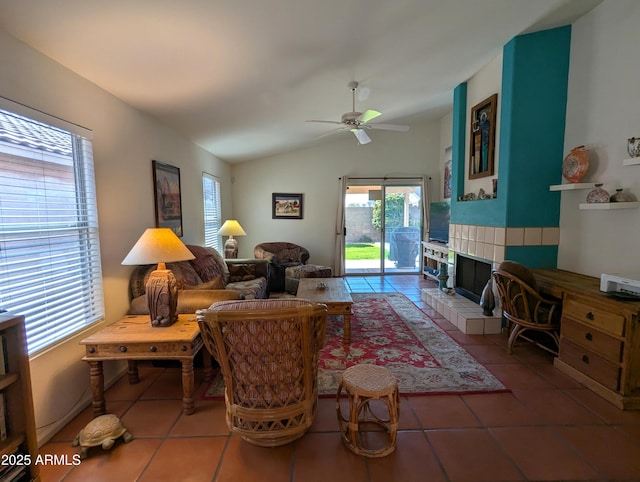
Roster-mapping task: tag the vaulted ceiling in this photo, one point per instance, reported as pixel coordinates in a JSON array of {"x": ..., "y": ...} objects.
[{"x": 240, "y": 77}]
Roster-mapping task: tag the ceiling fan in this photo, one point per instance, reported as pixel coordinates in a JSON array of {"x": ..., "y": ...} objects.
[{"x": 358, "y": 122}]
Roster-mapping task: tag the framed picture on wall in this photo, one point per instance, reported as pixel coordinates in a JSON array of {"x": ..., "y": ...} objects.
[
  {"x": 168, "y": 201},
  {"x": 286, "y": 206},
  {"x": 446, "y": 188},
  {"x": 482, "y": 138}
]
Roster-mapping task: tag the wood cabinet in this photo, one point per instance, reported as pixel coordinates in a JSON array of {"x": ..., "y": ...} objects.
[
  {"x": 599, "y": 339},
  {"x": 18, "y": 447}
]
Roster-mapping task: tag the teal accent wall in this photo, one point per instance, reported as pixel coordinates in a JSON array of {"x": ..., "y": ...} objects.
[
  {"x": 533, "y": 103},
  {"x": 533, "y": 256},
  {"x": 489, "y": 212},
  {"x": 457, "y": 143},
  {"x": 532, "y": 122}
]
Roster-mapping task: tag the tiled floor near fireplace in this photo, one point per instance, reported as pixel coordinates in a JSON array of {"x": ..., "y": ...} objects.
[{"x": 547, "y": 428}]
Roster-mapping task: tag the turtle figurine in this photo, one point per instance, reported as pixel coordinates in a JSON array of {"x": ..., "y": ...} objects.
[{"x": 102, "y": 430}]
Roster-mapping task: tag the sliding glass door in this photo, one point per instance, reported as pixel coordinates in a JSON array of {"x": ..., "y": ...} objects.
[{"x": 383, "y": 226}]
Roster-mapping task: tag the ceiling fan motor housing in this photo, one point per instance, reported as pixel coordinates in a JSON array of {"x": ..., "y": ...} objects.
[{"x": 351, "y": 118}]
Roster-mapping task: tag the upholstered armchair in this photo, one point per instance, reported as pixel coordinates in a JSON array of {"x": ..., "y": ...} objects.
[
  {"x": 281, "y": 255},
  {"x": 268, "y": 355},
  {"x": 524, "y": 308}
]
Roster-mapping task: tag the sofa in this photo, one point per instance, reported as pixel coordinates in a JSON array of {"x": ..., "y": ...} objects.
[
  {"x": 280, "y": 255},
  {"x": 205, "y": 280}
]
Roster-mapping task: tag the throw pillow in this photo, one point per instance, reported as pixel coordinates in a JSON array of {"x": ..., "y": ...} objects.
[
  {"x": 241, "y": 272},
  {"x": 208, "y": 263}
]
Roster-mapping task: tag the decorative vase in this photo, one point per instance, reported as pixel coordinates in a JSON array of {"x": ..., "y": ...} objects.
[
  {"x": 633, "y": 146},
  {"x": 443, "y": 276},
  {"x": 487, "y": 300},
  {"x": 598, "y": 195},
  {"x": 576, "y": 164},
  {"x": 618, "y": 197}
]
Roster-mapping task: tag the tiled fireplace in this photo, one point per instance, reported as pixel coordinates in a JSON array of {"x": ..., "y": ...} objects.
[{"x": 487, "y": 244}]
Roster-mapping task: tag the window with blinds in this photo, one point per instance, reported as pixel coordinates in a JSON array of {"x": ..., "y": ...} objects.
[
  {"x": 212, "y": 214},
  {"x": 50, "y": 267}
]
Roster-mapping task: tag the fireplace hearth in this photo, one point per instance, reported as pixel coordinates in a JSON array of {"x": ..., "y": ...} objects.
[{"x": 472, "y": 275}]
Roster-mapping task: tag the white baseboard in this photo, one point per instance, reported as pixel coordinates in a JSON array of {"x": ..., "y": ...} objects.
[{"x": 46, "y": 433}]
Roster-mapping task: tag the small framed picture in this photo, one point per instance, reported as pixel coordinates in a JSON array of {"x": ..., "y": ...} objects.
[
  {"x": 286, "y": 206},
  {"x": 446, "y": 191},
  {"x": 166, "y": 181}
]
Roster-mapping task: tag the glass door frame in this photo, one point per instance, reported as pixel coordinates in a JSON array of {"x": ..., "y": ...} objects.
[{"x": 378, "y": 190}]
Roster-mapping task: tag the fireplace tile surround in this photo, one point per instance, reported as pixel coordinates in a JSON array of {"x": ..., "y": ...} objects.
[
  {"x": 491, "y": 244},
  {"x": 464, "y": 314}
]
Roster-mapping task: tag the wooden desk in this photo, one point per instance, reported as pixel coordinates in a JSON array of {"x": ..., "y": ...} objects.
[
  {"x": 599, "y": 336},
  {"x": 132, "y": 338},
  {"x": 335, "y": 295}
]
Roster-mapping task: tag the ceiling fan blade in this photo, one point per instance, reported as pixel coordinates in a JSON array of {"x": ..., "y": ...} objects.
[
  {"x": 361, "y": 135},
  {"x": 332, "y": 131},
  {"x": 388, "y": 127},
  {"x": 324, "y": 121},
  {"x": 368, "y": 115}
]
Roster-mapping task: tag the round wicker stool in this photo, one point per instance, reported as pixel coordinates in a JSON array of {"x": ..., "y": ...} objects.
[{"x": 370, "y": 389}]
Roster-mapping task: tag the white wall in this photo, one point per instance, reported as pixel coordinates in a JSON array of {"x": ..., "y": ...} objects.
[
  {"x": 125, "y": 142},
  {"x": 602, "y": 113},
  {"x": 486, "y": 82},
  {"x": 315, "y": 172},
  {"x": 446, "y": 139}
]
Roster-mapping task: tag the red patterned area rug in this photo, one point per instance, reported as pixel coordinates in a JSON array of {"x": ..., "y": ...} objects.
[{"x": 391, "y": 331}]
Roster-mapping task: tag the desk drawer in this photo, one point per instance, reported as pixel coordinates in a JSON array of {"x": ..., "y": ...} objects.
[
  {"x": 605, "y": 320},
  {"x": 142, "y": 350},
  {"x": 594, "y": 340},
  {"x": 591, "y": 364}
]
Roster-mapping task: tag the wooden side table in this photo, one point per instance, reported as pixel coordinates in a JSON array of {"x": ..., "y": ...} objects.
[{"x": 132, "y": 338}]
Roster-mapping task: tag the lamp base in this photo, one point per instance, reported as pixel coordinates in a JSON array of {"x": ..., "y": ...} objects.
[
  {"x": 162, "y": 297},
  {"x": 231, "y": 248}
]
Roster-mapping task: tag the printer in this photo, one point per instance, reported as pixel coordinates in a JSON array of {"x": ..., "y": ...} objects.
[{"x": 622, "y": 285}]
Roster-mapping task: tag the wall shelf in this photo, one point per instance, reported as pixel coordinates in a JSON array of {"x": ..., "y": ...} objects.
[
  {"x": 604, "y": 206},
  {"x": 631, "y": 162},
  {"x": 434, "y": 253},
  {"x": 571, "y": 186}
]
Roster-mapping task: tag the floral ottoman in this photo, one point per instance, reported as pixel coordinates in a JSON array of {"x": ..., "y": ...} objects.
[{"x": 294, "y": 273}]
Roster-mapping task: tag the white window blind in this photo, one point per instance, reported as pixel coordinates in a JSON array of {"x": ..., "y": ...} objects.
[
  {"x": 212, "y": 214},
  {"x": 50, "y": 267}
]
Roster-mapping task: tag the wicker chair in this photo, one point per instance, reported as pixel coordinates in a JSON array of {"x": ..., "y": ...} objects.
[
  {"x": 524, "y": 308},
  {"x": 268, "y": 355}
]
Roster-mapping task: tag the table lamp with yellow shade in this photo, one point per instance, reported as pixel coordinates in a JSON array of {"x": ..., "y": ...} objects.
[
  {"x": 231, "y": 228},
  {"x": 160, "y": 245}
]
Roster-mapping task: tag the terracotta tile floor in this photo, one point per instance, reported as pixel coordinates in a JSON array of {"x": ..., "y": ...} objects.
[{"x": 548, "y": 428}]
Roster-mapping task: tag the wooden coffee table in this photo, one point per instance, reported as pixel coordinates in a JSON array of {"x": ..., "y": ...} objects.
[
  {"x": 334, "y": 294},
  {"x": 132, "y": 338}
]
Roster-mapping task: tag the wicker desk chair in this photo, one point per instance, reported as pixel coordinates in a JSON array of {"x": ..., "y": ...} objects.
[
  {"x": 268, "y": 355},
  {"x": 524, "y": 308}
]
